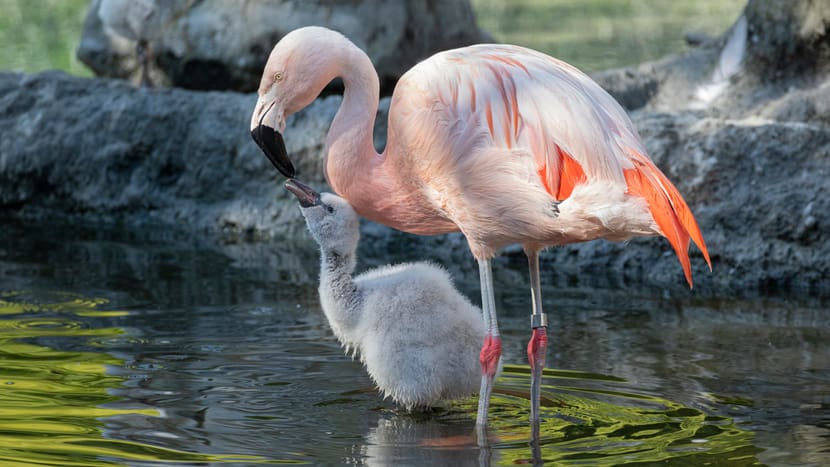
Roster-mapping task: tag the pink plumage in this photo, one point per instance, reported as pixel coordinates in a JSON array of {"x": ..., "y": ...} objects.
[{"x": 500, "y": 142}]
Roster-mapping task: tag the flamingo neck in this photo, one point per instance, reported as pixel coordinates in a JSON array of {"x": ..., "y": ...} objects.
[
  {"x": 350, "y": 153},
  {"x": 369, "y": 181},
  {"x": 339, "y": 295}
]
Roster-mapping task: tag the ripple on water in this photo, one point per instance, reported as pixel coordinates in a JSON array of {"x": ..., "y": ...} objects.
[
  {"x": 586, "y": 419},
  {"x": 172, "y": 398},
  {"x": 54, "y": 403}
]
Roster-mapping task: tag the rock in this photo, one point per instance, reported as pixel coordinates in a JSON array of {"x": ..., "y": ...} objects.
[
  {"x": 133, "y": 25},
  {"x": 103, "y": 150},
  {"x": 631, "y": 88},
  {"x": 696, "y": 38},
  {"x": 788, "y": 41},
  {"x": 221, "y": 45},
  {"x": 759, "y": 189}
]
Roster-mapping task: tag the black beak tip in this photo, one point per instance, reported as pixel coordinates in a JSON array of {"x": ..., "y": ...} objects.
[
  {"x": 304, "y": 193},
  {"x": 273, "y": 146}
]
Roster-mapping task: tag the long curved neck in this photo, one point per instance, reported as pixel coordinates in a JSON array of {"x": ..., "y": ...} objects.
[
  {"x": 349, "y": 144},
  {"x": 339, "y": 294},
  {"x": 371, "y": 182}
]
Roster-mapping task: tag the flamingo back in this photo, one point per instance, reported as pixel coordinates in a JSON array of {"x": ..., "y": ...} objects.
[{"x": 520, "y": 100}]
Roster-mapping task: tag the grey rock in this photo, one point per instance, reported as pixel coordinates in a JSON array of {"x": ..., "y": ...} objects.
[
  {"x": 221, "y": 45},
  {"x": 759, "y": 191},
  {"x": 788, "y": 38},
  {"x": 104, "y": 150}
]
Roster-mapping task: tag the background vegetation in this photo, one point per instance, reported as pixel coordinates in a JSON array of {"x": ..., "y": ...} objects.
[{"x": 37, "y": 35}]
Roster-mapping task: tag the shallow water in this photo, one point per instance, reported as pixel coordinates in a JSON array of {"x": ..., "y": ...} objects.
[{"x": 149, "y": 348}]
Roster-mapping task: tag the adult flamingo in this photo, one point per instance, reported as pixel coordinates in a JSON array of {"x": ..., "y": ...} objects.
[{"x": 503, "y": 143}]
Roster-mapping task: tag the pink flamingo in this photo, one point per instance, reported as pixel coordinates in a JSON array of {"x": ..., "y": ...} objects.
[{"x": 502, "y": 143}]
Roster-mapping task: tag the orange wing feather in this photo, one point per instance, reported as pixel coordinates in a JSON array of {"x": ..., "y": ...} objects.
[
  {"x": 570, "y": 174},
  {"x": 560, "y": 183}
]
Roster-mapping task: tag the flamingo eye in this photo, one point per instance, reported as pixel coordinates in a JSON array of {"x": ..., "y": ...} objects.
[
  {"x": 278, "y": 76},
  {"x": 329, "y": 209}
]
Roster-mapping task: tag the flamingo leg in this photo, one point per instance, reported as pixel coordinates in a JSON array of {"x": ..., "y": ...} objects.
[
  {"x": 538, "y": 344},
  {"x": 491, "y": 349}
]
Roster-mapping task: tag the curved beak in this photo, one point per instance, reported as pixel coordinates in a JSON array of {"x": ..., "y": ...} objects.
[
  {"x": 267, "y": 122},
  {"x": 273, "y": 146},
  {"x": 304, "y": 193}
]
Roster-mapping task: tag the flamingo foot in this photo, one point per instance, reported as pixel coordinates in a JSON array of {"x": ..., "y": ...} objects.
[
  {"x": 536, "y": 350},
  {"x": 489, "y": 358}
]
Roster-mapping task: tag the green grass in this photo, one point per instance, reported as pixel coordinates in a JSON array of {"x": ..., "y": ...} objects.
[
  {"x": 600, "y": 34},
  {"x": 37, "y": 35}
]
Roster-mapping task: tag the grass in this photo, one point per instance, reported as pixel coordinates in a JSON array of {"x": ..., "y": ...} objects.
[
  {"x": 37, "y": 35},
  {"x": 600, "y": 34}
]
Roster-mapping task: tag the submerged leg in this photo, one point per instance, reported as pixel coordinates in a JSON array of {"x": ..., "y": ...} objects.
[
  {"x": 491, "y": 350},
  {"x": 538, "y": 344}
]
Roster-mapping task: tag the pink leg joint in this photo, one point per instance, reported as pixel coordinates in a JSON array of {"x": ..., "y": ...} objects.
[
  {"x": 536, "y": 347},
  {"x": 490, "y": 353}
]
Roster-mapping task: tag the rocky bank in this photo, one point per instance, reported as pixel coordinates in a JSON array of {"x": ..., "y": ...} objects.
[{"x": 746, "y": 139}]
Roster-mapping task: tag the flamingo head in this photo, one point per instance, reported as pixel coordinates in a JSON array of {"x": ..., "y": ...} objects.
[
  {"x": 268, "y": 119},
  {"x": 299, "y": 67},
  {"x": 330, "y": 219}
]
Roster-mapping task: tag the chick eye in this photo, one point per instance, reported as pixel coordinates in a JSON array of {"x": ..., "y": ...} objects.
[
  {"x": 329, "y": 209},
  {"x": 278, "y": 76}
]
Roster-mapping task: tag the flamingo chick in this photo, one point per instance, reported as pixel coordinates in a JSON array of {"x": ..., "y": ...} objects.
[
  {"x": 416, "y": 334},
  {"x": 503, "y": 143}
]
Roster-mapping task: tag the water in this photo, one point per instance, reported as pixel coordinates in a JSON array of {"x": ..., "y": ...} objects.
[{"x": 152, "y": 348}]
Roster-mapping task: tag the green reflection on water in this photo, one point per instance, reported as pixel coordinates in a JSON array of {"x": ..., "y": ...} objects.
[
  {"x": 606, "y": 424},
  {"x": 52, "y": 402}
]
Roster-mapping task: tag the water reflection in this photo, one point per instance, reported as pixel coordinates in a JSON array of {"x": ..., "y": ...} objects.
[
  {"x": 586, "y": 418},
  {"x": 53, "y": 402},
  {"x": 209, "y": 352}
]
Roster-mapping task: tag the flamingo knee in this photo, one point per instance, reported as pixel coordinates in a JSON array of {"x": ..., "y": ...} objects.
[
  {"x": 536, "y": 349},
  {"x": 490, "y": 355}
]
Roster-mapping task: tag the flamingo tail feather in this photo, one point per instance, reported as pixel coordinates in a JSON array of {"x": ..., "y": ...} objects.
[{"x": 670, "y": 211}]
